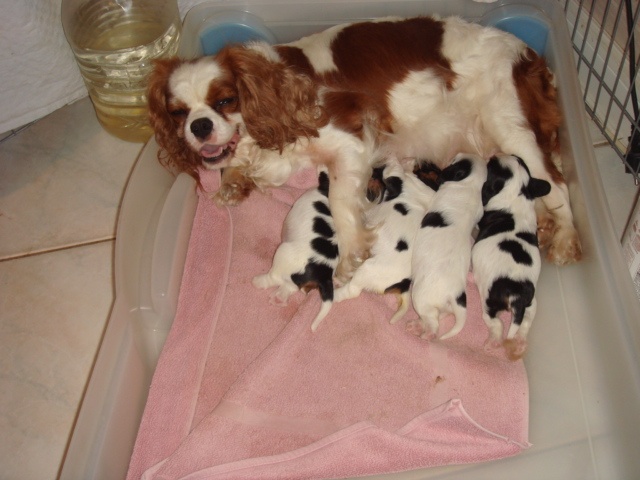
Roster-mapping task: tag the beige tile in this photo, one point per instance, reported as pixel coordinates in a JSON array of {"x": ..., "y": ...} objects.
[
  {"x": 61, "y": 181},
  {"x": 54, "y": 308}
]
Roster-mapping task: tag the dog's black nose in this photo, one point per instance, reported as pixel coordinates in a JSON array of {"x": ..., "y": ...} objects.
[{"x": 201, "y": 127}]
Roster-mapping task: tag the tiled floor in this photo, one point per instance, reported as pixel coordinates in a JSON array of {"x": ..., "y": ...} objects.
[{"x": 61, "y": 181}]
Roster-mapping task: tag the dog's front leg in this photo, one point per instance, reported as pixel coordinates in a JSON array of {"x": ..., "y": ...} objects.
[
  {"x": 234, "y": 187},
  {"x": 347, "y": 187}
]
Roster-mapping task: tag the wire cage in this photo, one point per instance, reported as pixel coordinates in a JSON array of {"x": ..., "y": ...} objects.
[{"x": 602, "y": 32}]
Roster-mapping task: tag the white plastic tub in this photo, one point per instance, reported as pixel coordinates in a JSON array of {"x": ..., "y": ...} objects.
[{"x": 584, "y": 356}]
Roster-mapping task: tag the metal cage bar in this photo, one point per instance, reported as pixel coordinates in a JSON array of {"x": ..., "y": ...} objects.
[{"x": 604, "y": 34}]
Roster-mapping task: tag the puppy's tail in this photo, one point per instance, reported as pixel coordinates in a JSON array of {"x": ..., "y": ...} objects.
[
  {"x": 324, "y": 310},
  {"x": 517, "y": 314},
  {"x": 460, "y": 313},
  {"x": 456, "y": 329},
  {"x": 403, "y": 306},
  {"x": 326, "y": 294}
]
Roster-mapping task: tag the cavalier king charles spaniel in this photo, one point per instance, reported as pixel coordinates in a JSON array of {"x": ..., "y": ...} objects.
[{"x": 415, "y": 88}]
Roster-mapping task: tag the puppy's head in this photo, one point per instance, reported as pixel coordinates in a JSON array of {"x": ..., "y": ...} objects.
[
  {"x": 199, "y": 109},
  {"x": 429, "y": 173},
  {"x": 509, "y": 177}
]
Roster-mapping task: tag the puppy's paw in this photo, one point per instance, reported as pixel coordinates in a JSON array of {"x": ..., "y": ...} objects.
[
  {"x": 428, "y": 335},
  {"x": 492, "y": 344},
  {"x": 280, "y": 298},
  {"x": 565, "y": 247},
  {"x": 262, "y": 281},
  {"x": 415, "y": 327}
]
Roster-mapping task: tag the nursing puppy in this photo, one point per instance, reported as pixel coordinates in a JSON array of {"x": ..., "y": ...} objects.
[
  {"x": 308, "y": 255},
  {"x": 505, "y": 257},
  {"x": 442, "y": 249},
  {"x": 395, "y": 220}
]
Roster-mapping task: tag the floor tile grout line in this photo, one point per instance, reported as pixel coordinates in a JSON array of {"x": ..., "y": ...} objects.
[
  {"x": 15, "y": 131},
  {"x": 89, "y": 243}
]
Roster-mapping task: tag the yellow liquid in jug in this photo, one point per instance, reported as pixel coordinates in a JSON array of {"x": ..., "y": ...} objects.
[{"x": 115, "y": 58}]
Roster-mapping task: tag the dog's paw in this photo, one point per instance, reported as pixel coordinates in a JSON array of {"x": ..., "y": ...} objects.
[
  {"x": 348, "y": 264},
  {"x": 515, "y": 348},
  {"x": 546, "y": 229},
  {"x": 565, "y": 247},
  {"x": 235, "y": 186},
  {"x": 231, "y": 194}
]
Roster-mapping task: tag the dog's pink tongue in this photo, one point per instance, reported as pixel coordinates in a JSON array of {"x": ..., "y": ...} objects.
[{"x": 210, "y": 151}]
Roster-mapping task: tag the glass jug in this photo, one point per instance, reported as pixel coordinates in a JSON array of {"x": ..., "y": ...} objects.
[{"x": 114, "y": 43}]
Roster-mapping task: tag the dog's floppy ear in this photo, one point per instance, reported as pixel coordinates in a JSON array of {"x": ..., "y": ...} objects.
[
  {"x": 537, "y": 188},
  {"x": 278, "y": 105},
  {"x": 174, "y": 150}
]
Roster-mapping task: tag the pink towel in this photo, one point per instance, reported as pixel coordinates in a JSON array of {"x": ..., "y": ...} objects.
[{"x": 244, "y": 389}]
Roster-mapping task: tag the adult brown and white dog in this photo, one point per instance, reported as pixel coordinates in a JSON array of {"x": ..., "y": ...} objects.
[{"x": 423, "y": 87}]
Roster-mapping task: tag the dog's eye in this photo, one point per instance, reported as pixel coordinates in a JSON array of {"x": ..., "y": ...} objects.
[
  {"x": 179, "y": 113},
  {"x": 220, "y": 104}
]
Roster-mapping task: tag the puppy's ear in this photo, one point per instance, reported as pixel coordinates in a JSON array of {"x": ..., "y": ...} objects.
[
  {"x": 174, "y": 151},
  {"x": 278, "y": 105},
  {"x": 491, "y": 188},
  {"x": 457, "y": 172},
  {"x": 393, "y": 188},
  {"x": 537, "y": 188},
  {"x": 496, "y": 178}
]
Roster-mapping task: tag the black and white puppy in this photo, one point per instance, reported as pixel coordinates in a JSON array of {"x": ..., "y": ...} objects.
[
  {"x": 395, "y": 220},
  {"x": 308, "y": 255},
  {"x": 505, "y": 257},
  {"x": 442, "y": 249}
]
